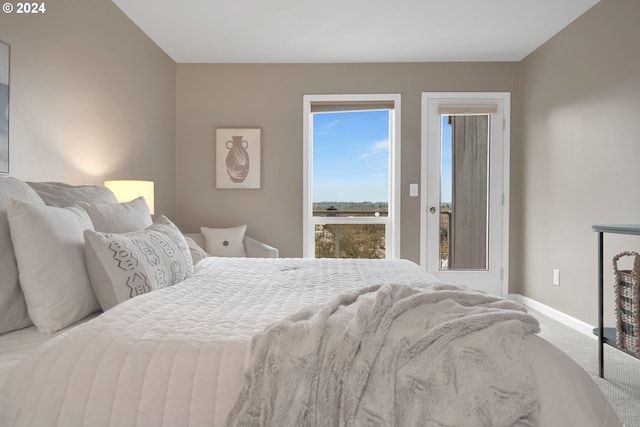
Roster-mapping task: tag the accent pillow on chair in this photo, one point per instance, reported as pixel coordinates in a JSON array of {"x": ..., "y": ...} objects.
[
  {"x": 123, "y": 266},
  {"x": 225, "y": 242}
]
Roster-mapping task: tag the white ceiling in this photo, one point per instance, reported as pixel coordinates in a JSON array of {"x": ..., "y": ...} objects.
[{"x": 275, "y": 31}]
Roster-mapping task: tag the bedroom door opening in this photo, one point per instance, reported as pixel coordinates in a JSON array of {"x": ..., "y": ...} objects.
[{"x": 465, "y": 183}]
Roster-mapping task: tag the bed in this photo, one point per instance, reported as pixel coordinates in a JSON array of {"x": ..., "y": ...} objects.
[{"x": 203, "y": 351}]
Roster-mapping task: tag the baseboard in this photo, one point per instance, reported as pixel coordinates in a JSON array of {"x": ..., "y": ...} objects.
[{"x": 554, "y": 314}]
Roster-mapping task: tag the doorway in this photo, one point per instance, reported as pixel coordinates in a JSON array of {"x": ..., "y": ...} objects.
[{"x": 465, "y": 189}]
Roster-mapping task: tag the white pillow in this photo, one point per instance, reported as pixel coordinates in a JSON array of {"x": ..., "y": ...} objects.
[
  {"x": 122, "y": 266},
  {"x": 13, "y": 308},
  {"x": 49, "y": 248},
  {"x": 119, "y": 217},
  {"x": 227, "y": 242}
]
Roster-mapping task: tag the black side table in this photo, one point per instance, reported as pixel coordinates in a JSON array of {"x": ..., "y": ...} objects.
[{"x": 607, "y": 335}]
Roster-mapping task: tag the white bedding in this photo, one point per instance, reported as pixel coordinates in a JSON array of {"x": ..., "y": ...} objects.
[
  {"x": 15, "y": 346},
  {"x": 175, "y": 357}
]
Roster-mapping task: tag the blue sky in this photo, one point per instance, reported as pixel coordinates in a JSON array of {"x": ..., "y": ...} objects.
[{"x": 351, "y": 157}]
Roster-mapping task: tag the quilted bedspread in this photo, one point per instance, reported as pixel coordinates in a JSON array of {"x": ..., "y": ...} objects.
[{"x": 175, "y": 357}]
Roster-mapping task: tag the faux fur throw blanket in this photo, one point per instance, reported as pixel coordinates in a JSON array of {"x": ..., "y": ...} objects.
[{"x": 394, "y": 355}]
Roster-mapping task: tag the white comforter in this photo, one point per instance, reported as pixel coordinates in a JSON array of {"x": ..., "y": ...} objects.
[{"x": 175, "y": 357}]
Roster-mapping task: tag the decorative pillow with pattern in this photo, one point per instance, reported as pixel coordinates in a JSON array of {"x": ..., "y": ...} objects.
[{"x": 122, "y": 266}]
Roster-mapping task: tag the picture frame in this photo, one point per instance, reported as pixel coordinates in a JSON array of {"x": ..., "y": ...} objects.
[
  {"x": 5, "y": 51},
  {"x": 238, "y": 158}
]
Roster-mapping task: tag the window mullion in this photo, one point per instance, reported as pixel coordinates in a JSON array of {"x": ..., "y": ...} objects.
[{"x": 350, "y": 220}]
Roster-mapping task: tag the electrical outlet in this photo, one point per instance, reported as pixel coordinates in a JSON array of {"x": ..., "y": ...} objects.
[{"x": 556, "y": 277}]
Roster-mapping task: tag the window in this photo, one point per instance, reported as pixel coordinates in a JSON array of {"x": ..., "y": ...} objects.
[
  {"x": 464, "y": 191},
  {"x": 351, "y": 176}
]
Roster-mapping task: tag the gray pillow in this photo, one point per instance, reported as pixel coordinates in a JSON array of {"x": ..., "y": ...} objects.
[
  {"x": 123, "y": 266},
  {"x": 119, "y": 217},
  {"x": 63, "y": 195},
  {"x": 197, "y": 253},
  {"x": 13, "y": 309}
]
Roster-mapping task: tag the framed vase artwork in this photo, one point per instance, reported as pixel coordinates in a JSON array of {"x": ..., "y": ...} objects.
[
  {"x": 238, "y": 158},
  {"x": 4, "y": 108}
]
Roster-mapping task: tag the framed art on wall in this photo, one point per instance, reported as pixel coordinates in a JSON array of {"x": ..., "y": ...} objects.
[
  {"x": 238, "y": 158},
  {"x": 4, "y": 108}
]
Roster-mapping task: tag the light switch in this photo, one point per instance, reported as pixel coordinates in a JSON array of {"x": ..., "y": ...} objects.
[{"x": 413, "y": 190}]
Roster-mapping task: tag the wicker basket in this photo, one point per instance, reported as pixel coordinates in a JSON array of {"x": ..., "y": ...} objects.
[{"x": 627, "y": 297}]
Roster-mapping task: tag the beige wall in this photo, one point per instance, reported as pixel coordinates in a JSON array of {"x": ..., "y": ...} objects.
[
  {"x": 269, "y": 96},
  {"x": 91, "y": 98},
  {"x": 579, "y": 161}
]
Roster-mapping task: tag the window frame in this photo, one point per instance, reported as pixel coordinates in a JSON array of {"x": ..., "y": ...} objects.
[{"x": 392, "y": 221}]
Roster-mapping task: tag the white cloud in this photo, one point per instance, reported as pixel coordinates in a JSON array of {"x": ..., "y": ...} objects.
[
  {"x": 380, "y": 145},
  {"x": 376, "y": 147}
]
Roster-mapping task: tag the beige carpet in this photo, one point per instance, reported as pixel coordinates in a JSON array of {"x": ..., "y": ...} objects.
[{"x": 621, "y": 384}]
